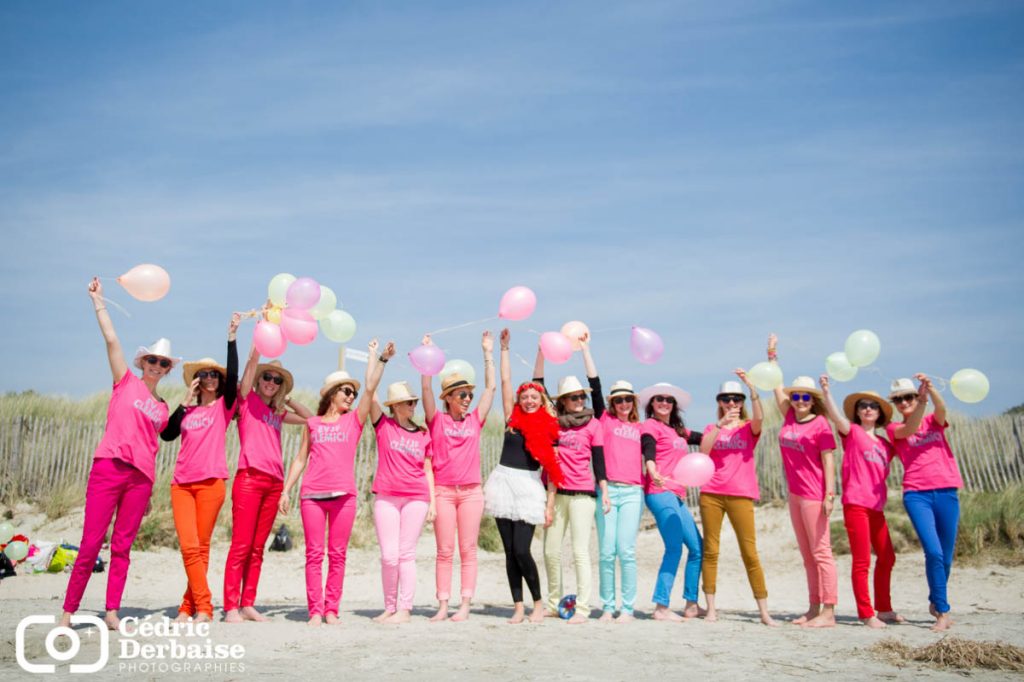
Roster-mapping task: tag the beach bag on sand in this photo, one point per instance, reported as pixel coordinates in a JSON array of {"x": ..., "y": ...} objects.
[{"x": 282, "y": 540}]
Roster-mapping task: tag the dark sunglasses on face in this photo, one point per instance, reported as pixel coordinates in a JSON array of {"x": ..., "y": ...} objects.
[
  {"x": 348, "y": 391},
  {"x": 900, "y": 399},
  {"x": 267, "y": 376},
  {"x": 154, "y": 360},
  {"x": 868, "y": 405},
  {"x": 728, "y": 399},
  {"x": 462, "y": 395},
  {"x": 627, "y": 399},
  {"x": 410, "y": 403},
  {"x": 208, "y": 374},
  {"x": 664, "y": 399},
  {"x": 577, "y": 397},
  {"x": 801, "y": 397}
]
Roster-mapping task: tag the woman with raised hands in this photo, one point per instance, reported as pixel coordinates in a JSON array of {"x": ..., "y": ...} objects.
[
  {"x": 263, "y": 408},
  {"x": 326, "y": 461},
  {"x": 197, "y": 489},
  {"x": 455, "y": 440},
  {"x": 733, "y": 489},
  {"x": 123, "y": 465}
]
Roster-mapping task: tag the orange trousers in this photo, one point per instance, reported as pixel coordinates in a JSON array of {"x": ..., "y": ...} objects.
[{"x": 196, "y": 506}]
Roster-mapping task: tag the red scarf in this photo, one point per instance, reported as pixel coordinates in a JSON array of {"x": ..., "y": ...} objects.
[{"x": 540, "y": 431}]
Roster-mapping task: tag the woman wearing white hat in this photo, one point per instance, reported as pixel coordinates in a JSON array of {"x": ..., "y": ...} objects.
[
  {"x": 404, "y": 486},
  {"x": 733, "y": 489},
  {"x": 931, "y": 479},
  {"x": 259, "y": 480},
  {"x": 808, "y": 459},
  {"x": 197, "y": 489},
  {"x": 664, "y": 441},
  {"x": 124, "y": 464},
  {"x": 327, "y": 455},
  {"x": 455, "y": 436}
]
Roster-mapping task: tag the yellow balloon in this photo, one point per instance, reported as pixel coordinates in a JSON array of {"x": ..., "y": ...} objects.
[
  {"x": 274, "y": 315},
  {"x": 969, "y": 385}
]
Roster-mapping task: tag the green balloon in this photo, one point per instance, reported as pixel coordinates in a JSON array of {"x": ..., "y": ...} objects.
[
  {"x": 862, "y": 347},
  {"x": 339, "y": 326},
  {"x": 6, "y": 532},
  {"x": 16, "y": 551},
  {"x": 969, "y": 385},
  {"x": 766, "y": 376},
  {"x": 278, "y": 287},
  {"x": 839, "y": 367}
]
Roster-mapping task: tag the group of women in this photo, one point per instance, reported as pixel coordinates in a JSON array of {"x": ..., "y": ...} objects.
[{"x": 563, "y": 465}]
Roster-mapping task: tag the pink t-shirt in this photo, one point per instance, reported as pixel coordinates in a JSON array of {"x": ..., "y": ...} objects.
[
  {"x": 928, "y": 463},
  {"x": 575, "y": 447},
  {"x": 134, "y": 420},
  {"x": 203, "y": 453},
  {"x": 623, "y": 460},
  {"x": 400, "y": 457},
  {"x": 456, "y": 448},
  {"x": 802, "y": 445},
  {"x": 733, "y": 455},
  {"x": 669, "y": 448},
  {"x": 865, "y": 468},
  {"x": 259, "y": 433},
  {"x": 332, "y": 455}
]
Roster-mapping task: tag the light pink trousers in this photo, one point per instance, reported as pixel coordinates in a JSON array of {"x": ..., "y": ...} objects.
[
  {"x": 812, "y": 534},
  {"x": 458, "y": 507},
  {"x": 399, "y": 521}
]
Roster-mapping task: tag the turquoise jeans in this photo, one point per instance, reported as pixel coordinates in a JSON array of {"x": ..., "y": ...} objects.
[{"x": 616, "y": 535}]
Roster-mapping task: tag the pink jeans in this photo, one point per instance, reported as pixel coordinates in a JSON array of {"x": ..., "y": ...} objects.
[
  {"x": 114, "y": 487},
  {"x": 458, "y": 506},
  {"x": 399, "y": 521},
  {"x": 254, "y": 497},
  {"x": 335, "y": 518},
  {"x": 812, "y": 534}
]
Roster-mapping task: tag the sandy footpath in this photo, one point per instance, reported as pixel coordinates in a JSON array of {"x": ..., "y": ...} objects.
[{"x": 988, "y": 604}]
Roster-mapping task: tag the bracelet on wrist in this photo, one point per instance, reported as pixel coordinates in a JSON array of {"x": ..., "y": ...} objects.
[
  {"x": 103, "y": 307},
  {"x": 383, "y": 359}
]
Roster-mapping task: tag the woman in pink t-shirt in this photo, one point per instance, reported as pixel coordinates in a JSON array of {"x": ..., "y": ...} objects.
[
  {"x": 404, "y": 486},
  {"x": 733, "y": 489},
  {"x": 865, "y": 467},
  {"x": 123, "y": 466},
  {"x": 197, "y": 490},
  {"x": 455, "y": 439},
  {"x": 259, "y": 480},
  {"x": 327, "y": 455}
]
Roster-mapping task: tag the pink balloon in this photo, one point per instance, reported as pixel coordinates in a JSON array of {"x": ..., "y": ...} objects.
[
  {"x": 146, "y": 282},
  {"x": 517, "y": 304},
  {"x": 573, "y": 331},
  {"x": 556, "y": 347},
  {"x": 303, "y": 293},
  {"x": 427, "y": 359},
  {"x": 694, "y": 470},
  {"x": 646, "y": 345},
  {"x": 298, "y": 326},
  {"x": 269, "y": 339}
]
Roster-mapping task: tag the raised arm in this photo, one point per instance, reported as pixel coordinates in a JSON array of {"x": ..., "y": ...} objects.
[
  {"x": 299, "y": 412},
  {"x": 596, "y": 396},
  {"x": 538, "y": 366},
  {"x": 376, "y": 411},
  {"x": 249, "y": 374},
  {"x": 487, "y": 399},
  {"x": 756, "y": 410},
  {"x": 937, "y": 399},
  {"x": 115, "y": 356},
  {"x": 427, "y": 389},
  {"x": 294, "y": 471},
  {"x": 231, "y": 382},
  {"x": 374, "y": 371},
  {"x": 508, "y": 399},
  {"x": 837, "y": 417},
  {"x": 909, "y": 427},
  {"x": 781, "y": 399}
]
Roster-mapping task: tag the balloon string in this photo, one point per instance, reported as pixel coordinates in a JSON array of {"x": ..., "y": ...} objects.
[
  {"x": 942, "y": 383},
  {"x": 460, "y": 326},
  {"x": 521, "y": 359},
  {"x": 117, "y": 305},
  {"x": 534, "y": 331}
]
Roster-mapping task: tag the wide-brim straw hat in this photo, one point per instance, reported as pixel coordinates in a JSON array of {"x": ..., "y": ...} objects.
[
  {"x": 191, "y": 368},
  {"x": 454, "y": 381},
  {"x": 568, "y": 385},
  {"x": 160, "y": 348},
  {"x": 276, "y": 366},
  {"x": 337, "y": 379},
  {"x": 730, "y": 388},
  {"x": 901, "y": 387},
  {"x": 683, "y": 398},
  {"x": 850, "y": 404},
  {"x": 399, "y": 392},
  {"x": 621, "y": 388},
  {"x": 803, "y": 384}
]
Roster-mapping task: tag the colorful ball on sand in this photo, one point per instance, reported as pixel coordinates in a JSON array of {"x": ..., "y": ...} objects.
[
  {"x": 555, "y": 347},
  {"x": 517, "y": 304},
  {"x": 862, "y": 347},
  {"x": 146, "y": 282},
  {"x": 694, "y": 470},
  {"x": 969, "y": 385},
  {"x": 427, "y": 359},
  {"x": 839, "y": 368},
  {"x": 646, "y": 345}
]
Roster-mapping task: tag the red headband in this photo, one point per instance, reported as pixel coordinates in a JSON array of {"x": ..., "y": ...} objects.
[{"x": 530, "y": 384}]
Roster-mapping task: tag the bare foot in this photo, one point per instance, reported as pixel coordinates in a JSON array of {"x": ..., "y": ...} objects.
[
  {"x": 332, "y": 618},
  {"x": 315, "y": 620},
  {"x": 711, "y": 616},
  {"x": 692, "y": 610},
  {"x": 624, "y": 617},
  {"x": 233, "y": 616},
  {"x": 204, "y": 618},
  {"x": 538, "y": 614},
  {"x": 112, "y": 620},
  {"x": 519, "y": 615},
  {"x": 873, "y": 622},
  {"x": 606, "y": 617},
  {"x": 665, "y": 613},
  {"x": 766, "y": 619},
  {"x": 811, "y": 613},
  {"x": 825, "y": 619},
  {"x": 942, "y": 623},
  {"x": 442, "y": 613},
  {"x": 578, "y": 618},
  {"x": 183, "y": 617},
  {"x": 891, "y": 617},
  {"x": 462, "y": 614},
  {"x": 399, "y": 617},
  {"x": 250, "y": 613},
  {"x": 65, "y": 620},
  {"x": 383, "y": 616}
]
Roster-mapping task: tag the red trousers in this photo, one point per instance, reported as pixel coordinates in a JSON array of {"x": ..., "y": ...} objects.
[
  {"x": 867, "y": 530},
  {"x": 254, "y": 497}
]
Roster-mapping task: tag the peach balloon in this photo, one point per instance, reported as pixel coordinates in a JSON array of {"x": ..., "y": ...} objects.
[
  {"x": 573, "y": 331},
  {"x": 146, "y": 282}
]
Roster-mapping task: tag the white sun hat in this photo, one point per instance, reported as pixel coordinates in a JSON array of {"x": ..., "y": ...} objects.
[
  {"x": 803, "y": 384},
  {"x": 683, "y": 398},
  {"x": 399, "y": 392},
  {"x": 336, "y": 379},
  {"x": 901, "y": 387},
  {"x": 160, "y": 348},
  {"x": 621, "y": 387},
  {"x": 568, "y": 385},
  {"x": 729, "y": 388}
]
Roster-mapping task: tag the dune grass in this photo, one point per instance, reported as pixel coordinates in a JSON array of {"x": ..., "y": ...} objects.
[{"x": 952, "y": 653}]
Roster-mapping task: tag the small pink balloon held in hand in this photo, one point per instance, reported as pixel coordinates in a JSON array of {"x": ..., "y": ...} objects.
[
  {"x": 146, "y": 282},
  {"x": 694, "y": 470},
  {"x": 556, "y": 347},
  {"x": 427, "y": 359},
  {"x": 517, "y": 304}
]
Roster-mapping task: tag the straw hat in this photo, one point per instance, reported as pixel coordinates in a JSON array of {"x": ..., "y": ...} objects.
[
  {"x": 160, "y": 348},
  {"x": 454, "y": 381},
  {"x": 620, "y": 388},
  {"x": 730, "y": 388},
  {"x": 275, "y": 366},
  {"x": 803, "y": 384},
  {"x": 850, "y": 404},
  {"x": 901, "y": 387},
  {"x": 683, "y": 398},
  {"x": 337, "y": 379},
  {"x": 568, "y": 385},
  {"x": 399, "y": 392},
  {"x": 191, "y": 368}
]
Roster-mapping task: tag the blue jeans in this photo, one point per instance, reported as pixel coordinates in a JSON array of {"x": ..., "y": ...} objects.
[
  {"x": 616, "y": 536},
  {"x": 677, "y": 528},
  {"x": 935, "y": 514}
]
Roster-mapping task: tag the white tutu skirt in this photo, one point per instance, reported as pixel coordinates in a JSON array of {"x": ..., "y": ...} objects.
[{"x": 515, "y": 494}]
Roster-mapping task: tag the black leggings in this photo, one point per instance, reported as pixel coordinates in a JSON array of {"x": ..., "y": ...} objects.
[{"x": 516, "y": 537}]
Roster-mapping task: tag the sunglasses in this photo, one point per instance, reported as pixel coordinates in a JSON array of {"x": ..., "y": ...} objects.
[
  {"x": 462, "y": 395},
  {"x": 900, "y": 399},
  {"x": 349, "y": 391},
  {"x": 868, "y": 405},
  {"x": 577, "y": 397},
  {"x": 801, "y": 397},
  {"x": 410, "y": 403},
  {"x": 664, "y": 399},
  {"x": 154, "y": 360},
  {"x": 622, "y": 400},
  {"x": 729, "y": 399},
  {"x": 267, "y": 376},
  {"x": 208, "y": 374}
]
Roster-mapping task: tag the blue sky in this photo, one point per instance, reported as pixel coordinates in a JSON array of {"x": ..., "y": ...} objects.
[{"x": 714, "y": 171}]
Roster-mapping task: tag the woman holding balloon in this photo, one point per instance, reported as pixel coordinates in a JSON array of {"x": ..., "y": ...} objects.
[{"x": 124, "y": 464}]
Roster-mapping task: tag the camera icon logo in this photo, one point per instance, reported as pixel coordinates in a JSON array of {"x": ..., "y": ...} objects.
[{"x": 53, "y": 652}]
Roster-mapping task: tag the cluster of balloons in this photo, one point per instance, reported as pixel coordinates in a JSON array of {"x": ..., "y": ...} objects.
[
  {"x": 861, "y": 349},
  {"x": 300, "y": 307},
  {"x": 146, "y": 282},
  {"x": 15, "y": 551},
  {"x": 557, "y": 347}
]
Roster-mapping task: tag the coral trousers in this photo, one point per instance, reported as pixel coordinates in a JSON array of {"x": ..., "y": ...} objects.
[{"x": 196, "y": 506}]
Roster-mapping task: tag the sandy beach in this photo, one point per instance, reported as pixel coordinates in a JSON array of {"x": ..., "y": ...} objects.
[{"x": 988, "y": 603}]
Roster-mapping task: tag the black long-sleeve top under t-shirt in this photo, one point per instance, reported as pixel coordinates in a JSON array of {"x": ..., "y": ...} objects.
[
  {"x": 597, "y": 451},
  {"x": 648, "y": 445},
  {"x": 173, "y": 428}
]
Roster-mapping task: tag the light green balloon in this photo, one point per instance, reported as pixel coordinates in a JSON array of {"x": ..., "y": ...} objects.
[
  {"x": 839, "y": 367},
  {"x": 460, "y": 367},
  {"x": 969, "y": 385},
  {"x": 16, "y": 551},
  {"x": 862, "y": 347},
  {"x": 6, "y": 532},
  {"x": 326, "y": 305},
  {"x": 339, "y": 326},
  {"x": 278, "y": 287},
  {"x": 766, "y": 376}
]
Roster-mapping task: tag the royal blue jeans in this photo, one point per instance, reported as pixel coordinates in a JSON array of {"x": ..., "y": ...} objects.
[
  {"x": 935, "y": 515},
  {"x": 677, "y": 528}
]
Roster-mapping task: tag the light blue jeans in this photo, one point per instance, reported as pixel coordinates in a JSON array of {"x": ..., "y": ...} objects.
[
  {"x": 677, "y": 528},
  {"x": 616, "y": 536}
]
